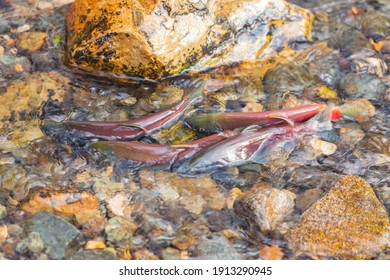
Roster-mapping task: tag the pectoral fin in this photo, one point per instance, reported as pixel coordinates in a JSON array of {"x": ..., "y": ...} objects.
[
  {"x": 135, "y": 125},
  {"x": 281, "y": 117}
]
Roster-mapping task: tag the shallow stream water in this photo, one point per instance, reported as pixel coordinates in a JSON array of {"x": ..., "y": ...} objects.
[{"x": 150, "y": 212}]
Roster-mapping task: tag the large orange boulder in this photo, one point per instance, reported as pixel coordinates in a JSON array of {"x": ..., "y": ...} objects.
[{"x": 154, "y": 38}]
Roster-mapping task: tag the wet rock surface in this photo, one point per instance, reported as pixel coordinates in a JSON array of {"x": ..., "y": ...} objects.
[
  {"x": 349, "y": 222},
  {"x": 155, "y": 39}
]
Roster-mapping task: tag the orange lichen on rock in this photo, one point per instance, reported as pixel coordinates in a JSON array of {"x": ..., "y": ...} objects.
[
  {"x": 98, "y": 34},
  {"x": 349, "y": 222},
  {"x": 60, "y": 202},
  {"x": 157, "y": 38},
  {"x": 272, "y": 252}
]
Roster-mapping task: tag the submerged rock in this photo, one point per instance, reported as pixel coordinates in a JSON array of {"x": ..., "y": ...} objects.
[
  {"x": 349, "y": 41},
  {"x": 287, "y": 78},
  {"x": 265, "y": 206},
  {"x": 119, "y": 230},
  {"x": 153, "y": 39},
  {"x": 308, "y": 197},
  {"x": 144, "y": 254},
  {"x": 62, "y": 203},
  {"x": 349, "y": 222},
  {"x": 91, "y": 221},
  {"x": 375, "y": 25},
  {"x": 60, "y": 238},
  {"x": 319, "y": 91},
  {"x": 215, "y": 247},
  {"x": 3, "y": 212},
  {"x": 22, "y": 103},
  {"x": 321, "y": 61},
  {"x": 363, "y": 86},
  {"x": 153, "y": 222},
  {"x": 106, "y": 254},
  {"x": 173, "y": 254},
  {"x": 3, "y": 233},
  {"x": 33, "y": 243},
  {"x": 31, "y": 41},
  {"x": 10, "y": 177},
  {"x": 371, "y": 65},
  {"x": 272, "y": 252},
  {"x": 195, "y": 194},
  {"x": 321, "y": 147}
]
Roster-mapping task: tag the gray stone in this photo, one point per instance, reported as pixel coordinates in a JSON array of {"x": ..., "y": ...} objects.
[
  {"x": 119, "y": 230},
  {"x": 35, "y": 242},
  {"x": 4, "y": 26},
  {"x": 3, "y": 212},
  {"x": 363, "y": 85},
  {"x": 171, "y": 254},
  {"x": 215, "y": 247},
  {"x": 9, "y": 176},
  {"x": 349, "y": 41},
  {"x": 15, "y": 230},
  {"x": 59, "y": 237},
  {"x": 149, "y": 222},
  {"x": 94, "y": 255}
]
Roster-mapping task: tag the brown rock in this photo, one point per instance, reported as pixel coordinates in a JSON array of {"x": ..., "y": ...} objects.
[
  {"x": 62, "y": 203},
  {"x": 119, "y": 230},
  {"x": 3, "y": 233},
  {"x": 144, "y": 254},
  {"x": 118, "y": 204},
  {"x": 360, "y": 110},
  {"x": 349, "y": 222},
  {"x": 152, "y": 39},
  {"x": 183, "y": 242},
  {"x": 31, "y": 41},
  {"x": 95, "y": 244},
  {"x": 272, "y": 252},
  {"x": 195, "y": 194},
  {"x": 308, "y": 197},
  {"x": 91, "y": 221},
  {"x": 265, "y": 206},
  {"x": 321, "y": 147},
  {"x": 9, "y": 249}
]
